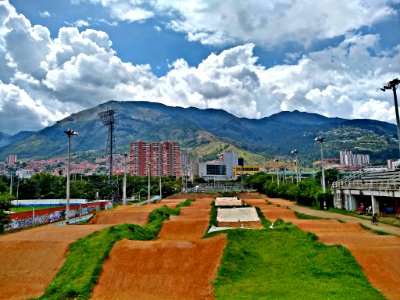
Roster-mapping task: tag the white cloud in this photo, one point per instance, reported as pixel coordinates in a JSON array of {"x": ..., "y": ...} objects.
[
  {"x": 267, "y": 23},
  {"x": 17, "y": 106},
  {"x": 78, "y": 23},
  {"x": 54, "y": 77},
  {"x": 45, "y": 14}
]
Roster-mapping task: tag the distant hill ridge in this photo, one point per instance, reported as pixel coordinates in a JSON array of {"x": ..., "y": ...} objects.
[{"x": 275, "y": 135}]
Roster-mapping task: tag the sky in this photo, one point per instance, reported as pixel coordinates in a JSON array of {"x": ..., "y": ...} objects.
[{"x": 251, "y": 58}]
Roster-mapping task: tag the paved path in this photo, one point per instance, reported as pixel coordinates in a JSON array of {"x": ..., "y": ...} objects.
[{"x": 330, "y": 215}]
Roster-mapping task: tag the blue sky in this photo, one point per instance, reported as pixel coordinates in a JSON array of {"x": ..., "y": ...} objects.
[{"x": 251, "y": 58}]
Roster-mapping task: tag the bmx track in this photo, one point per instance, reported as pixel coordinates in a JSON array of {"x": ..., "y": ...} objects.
[{"x": 179, "y": 265}]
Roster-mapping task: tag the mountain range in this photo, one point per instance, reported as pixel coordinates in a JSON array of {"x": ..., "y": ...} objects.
[{"x": 272, "y": 136}]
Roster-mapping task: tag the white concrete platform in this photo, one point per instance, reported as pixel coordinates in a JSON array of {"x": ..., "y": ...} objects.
[
  {"x": 240, "y": 214},
  {"x": 228, "y": 201}
]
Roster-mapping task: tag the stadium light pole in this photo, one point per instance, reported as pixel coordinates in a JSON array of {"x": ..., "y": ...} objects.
[
  {"x": 69, "y": 134},
  {"x": 296, "y": 152},
  {"x": 321, "y": 139},
  {"x": 277, "y": 172},
  {"x": 124, "y": 184},
  {"x": 160, "y": 188},
  {"x": 148, "y": 181},
  {"x": 392, "y": 85}
]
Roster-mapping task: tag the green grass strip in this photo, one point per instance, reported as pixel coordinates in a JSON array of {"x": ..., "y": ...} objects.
[
  {"x": 379, "y": 232},
  {"x": 300, "y": 215},
  {"x": 84, "y": 262},
  {"x": 30, "y": 208},
  {"x": 286, "y": 263}
]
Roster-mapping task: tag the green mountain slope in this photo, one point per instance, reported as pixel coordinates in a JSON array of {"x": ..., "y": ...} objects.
[{"x": 195, "y": 128}]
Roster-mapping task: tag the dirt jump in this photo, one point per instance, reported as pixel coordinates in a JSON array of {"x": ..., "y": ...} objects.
[
  {"x": 378, "y": 255},
  {"x": 131, "y": 214},
  {"x": 179, "y": 265},
  {"x": 31, "y": 258}
]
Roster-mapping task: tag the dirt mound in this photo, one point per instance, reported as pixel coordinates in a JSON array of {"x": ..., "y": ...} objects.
[
  {"x": 31, "y": 258},
  {"x": 161, "y": 270},
  {"x": 183, "y": 229},
  {"x": 246, "y": 196},
  {"x": 130, "y": 214},
  {"x": 180, "y": 265},
  {"x": 272, "y": 212}
]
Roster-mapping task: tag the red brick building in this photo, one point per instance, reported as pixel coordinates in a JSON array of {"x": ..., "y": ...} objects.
[{"x": 163, "y": 158}]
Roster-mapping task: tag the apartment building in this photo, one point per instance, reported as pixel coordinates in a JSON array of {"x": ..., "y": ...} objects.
[{"x": 155, "y": 158}]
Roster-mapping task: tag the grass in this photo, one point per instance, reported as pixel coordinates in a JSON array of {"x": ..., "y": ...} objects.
[
  {"x": 286, "y": 263},
  {"x": 300, "y": 215},
  {"x": 30, "y": 208},
  {"x": 379, "y": 232},
  {"x": 83, "y": 265},
  {"x": 213, "y": 219}
]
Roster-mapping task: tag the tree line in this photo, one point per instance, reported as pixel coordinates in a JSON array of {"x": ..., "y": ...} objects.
[{"x": 307, "y": 191}]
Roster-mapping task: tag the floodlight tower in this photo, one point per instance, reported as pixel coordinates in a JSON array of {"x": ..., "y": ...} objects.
[
  {"x": 108, "y": 119},
  {"x": 69, "y": 134},
  {"x": 392, "y": 85}
]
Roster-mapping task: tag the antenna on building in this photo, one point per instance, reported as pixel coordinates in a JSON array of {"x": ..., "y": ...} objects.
[{"x": 108, "y": 119}]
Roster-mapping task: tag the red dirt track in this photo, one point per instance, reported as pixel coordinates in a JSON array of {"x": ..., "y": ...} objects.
[
  {"x": 180, "y": 265},
  {"x": 30, "y": 259},
  {"x": 378, "y": 255}
]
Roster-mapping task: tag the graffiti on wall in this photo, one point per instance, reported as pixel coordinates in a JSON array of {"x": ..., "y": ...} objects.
[{"x": 19, "y": 221}]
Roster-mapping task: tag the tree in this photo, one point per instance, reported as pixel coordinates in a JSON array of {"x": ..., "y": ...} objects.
[{"x": 5, "y": 205}]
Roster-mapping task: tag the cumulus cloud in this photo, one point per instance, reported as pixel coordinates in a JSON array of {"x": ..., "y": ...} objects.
[
  {"x": 263, "y": 22},
  {"x": 80, "y": 69}
]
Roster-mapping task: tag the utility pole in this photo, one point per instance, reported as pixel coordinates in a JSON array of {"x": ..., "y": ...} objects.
[
  {"x": 392, "y": 85},
  {"x": 321, "y": 139},
  {"x": 124, "y": 184},
  {"x": 160, "y": 188},
  {"x": 296, "y": 152},
  {"x": 148, "y": 181},
  {"x": 69, "y": 133}
]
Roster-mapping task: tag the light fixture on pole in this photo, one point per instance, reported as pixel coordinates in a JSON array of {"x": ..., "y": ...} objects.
[
  {"x": 295, "y": 152},
  {"x": 392, "y": 85},
  {"x": 278, "y": 170},
  {"x": 160, "y": 188},
  {"x": 124, "y": 183},
  {"x": 69, "y": 133},
  {"x": 321, "y": 139},
  {"x": 148, "y": 180}
]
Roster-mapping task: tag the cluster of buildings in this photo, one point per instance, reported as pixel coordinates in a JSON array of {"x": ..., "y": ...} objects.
[
  {"x": 166, "y": 159},
  {"x": 349, "y": 161}
]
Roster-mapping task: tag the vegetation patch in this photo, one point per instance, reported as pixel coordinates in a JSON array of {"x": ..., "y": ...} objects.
[
  {"x": 84, "y": 262},
  {"x": 300, "y": 215},
  {"x": 379, "y": 232},
  {"x": 286, "y": 263},
  {"x": 30, "y": 208}
]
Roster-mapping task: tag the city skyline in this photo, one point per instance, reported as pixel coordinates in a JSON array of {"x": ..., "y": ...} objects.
[{"x": 252, "y": 59}]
